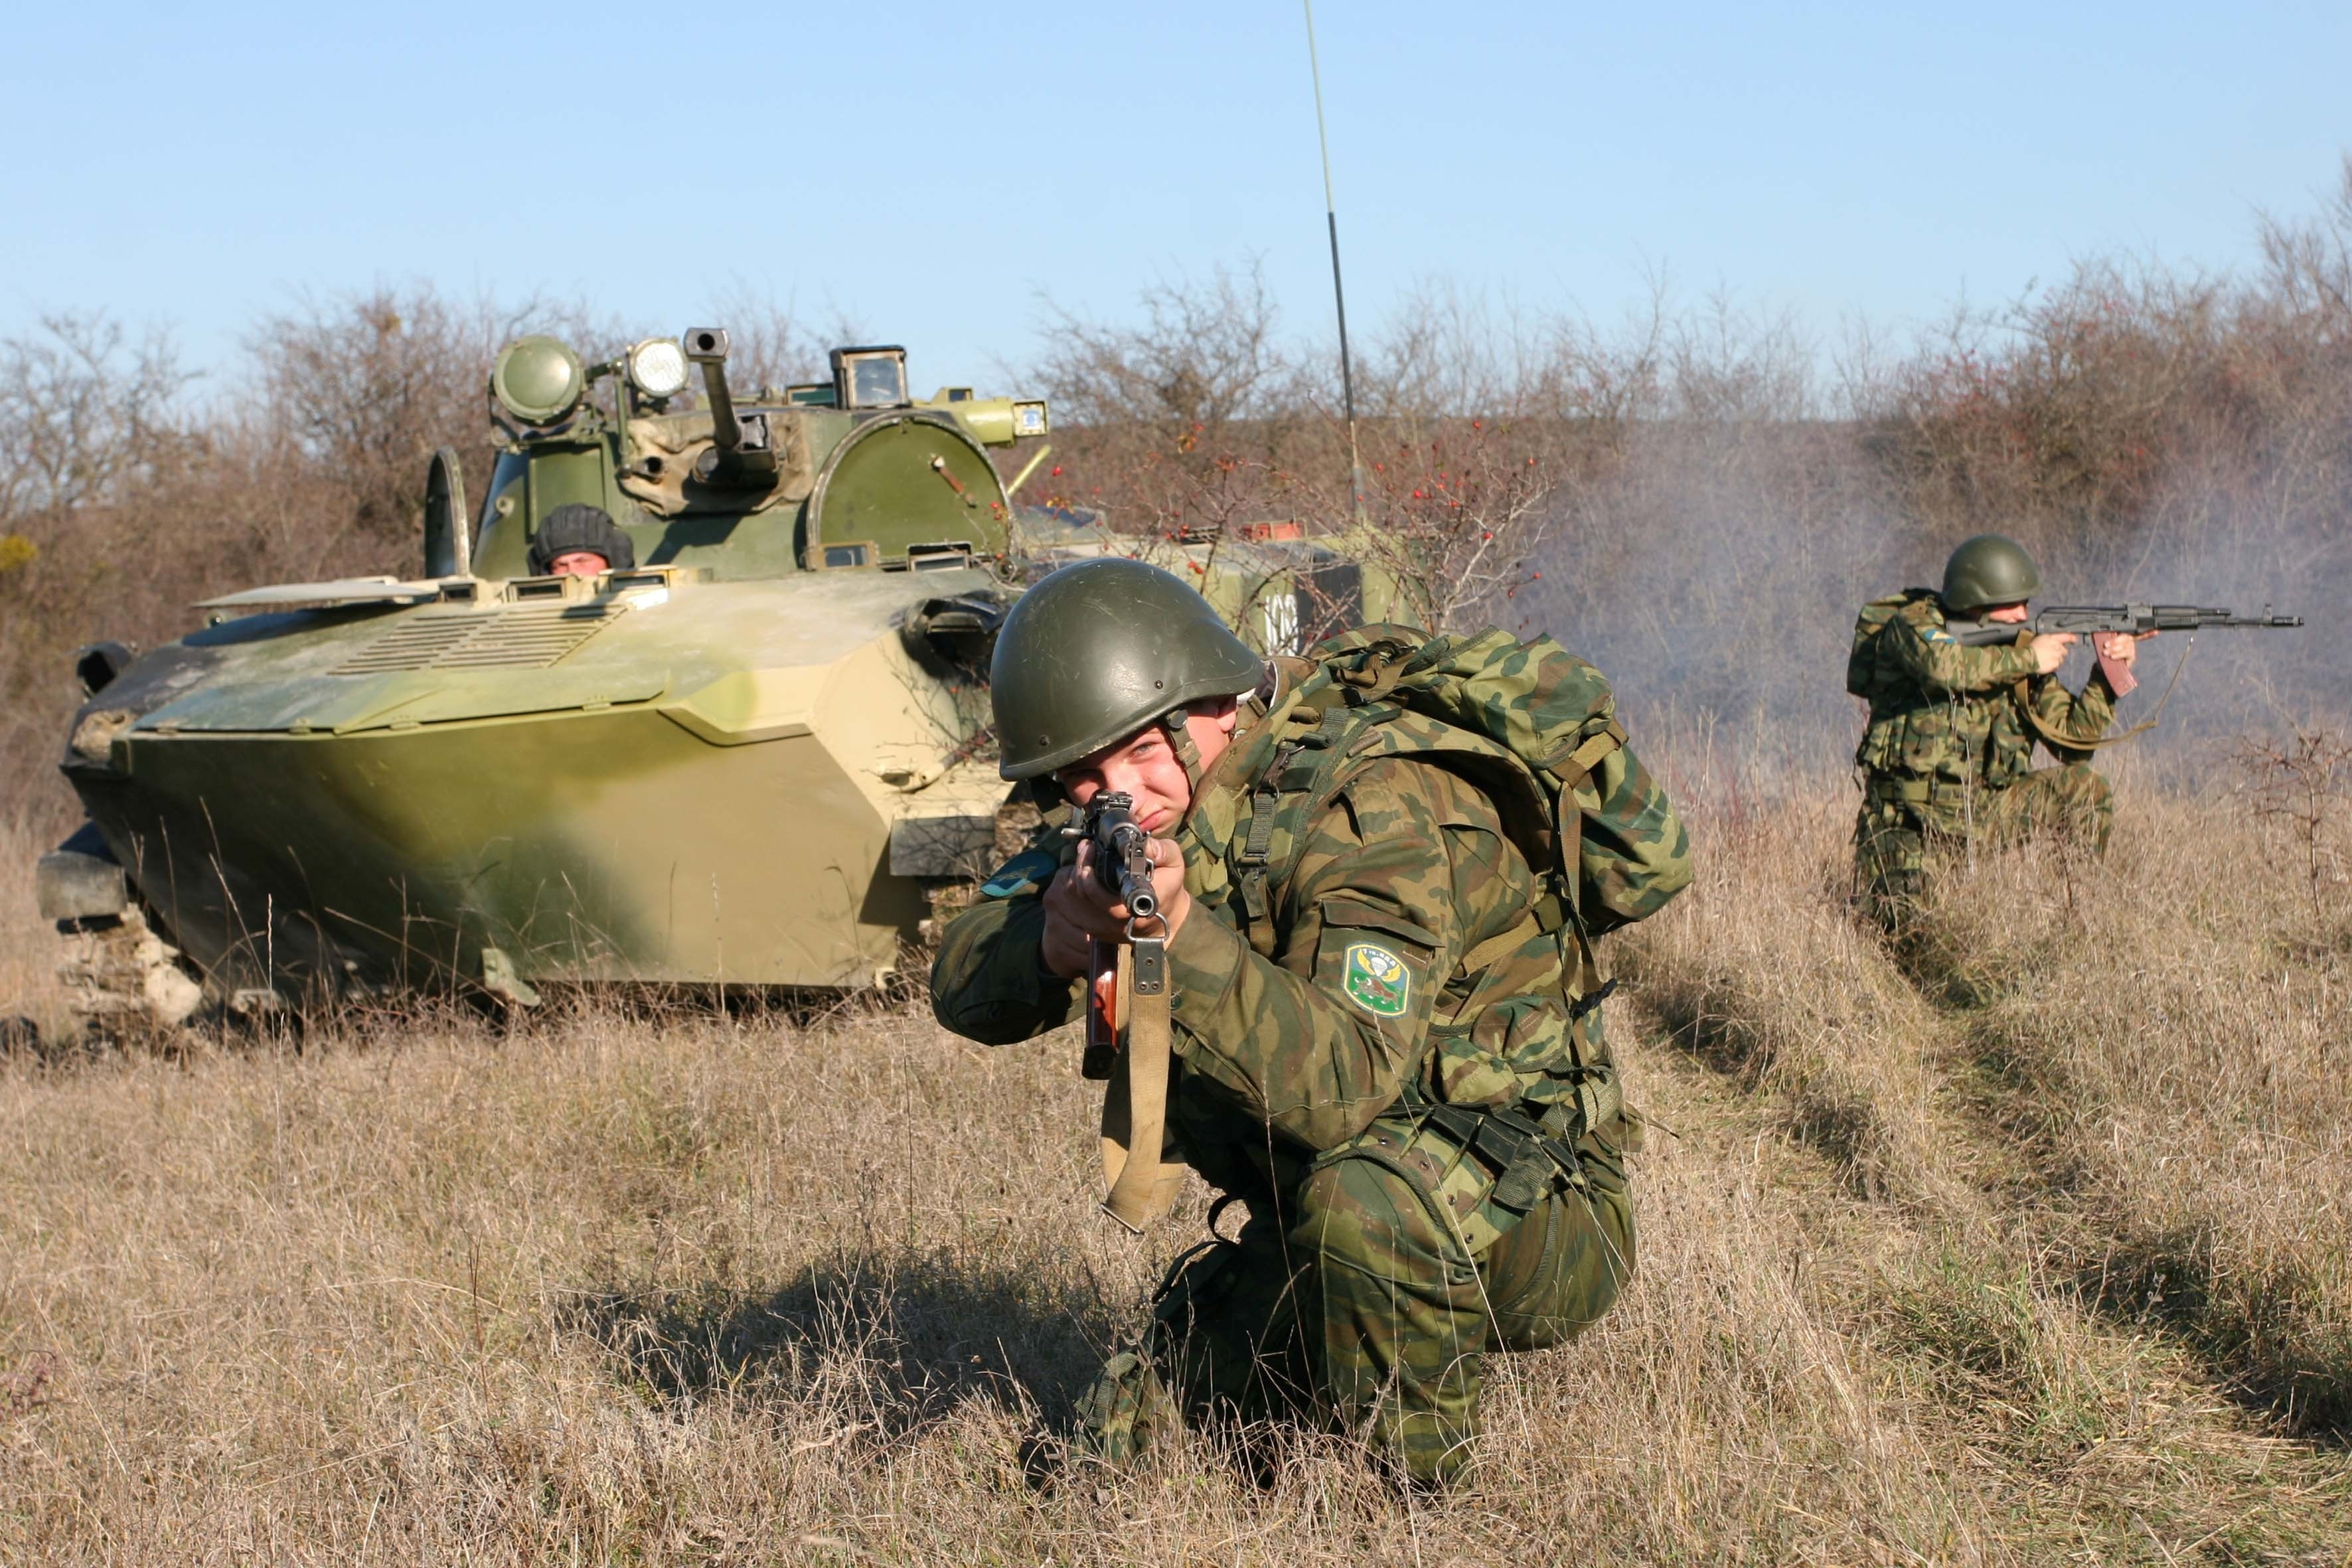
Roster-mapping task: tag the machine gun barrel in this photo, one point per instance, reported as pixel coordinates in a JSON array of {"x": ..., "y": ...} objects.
[
  {"x": 740, "y": 448},
  {"x": 2082, "y": 619}
]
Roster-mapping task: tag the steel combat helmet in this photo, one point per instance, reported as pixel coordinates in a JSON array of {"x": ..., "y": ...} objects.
[
  {"x": 1986, "y": 571},
  {"x": 1099, "y": 650}
]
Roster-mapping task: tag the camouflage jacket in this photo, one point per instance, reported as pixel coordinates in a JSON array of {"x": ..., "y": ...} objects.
[
  {"x": 1294, "y": 1030},
  {"x": 1946, "y": 714}
]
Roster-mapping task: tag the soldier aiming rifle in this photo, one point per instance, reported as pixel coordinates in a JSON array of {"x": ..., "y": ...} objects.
[
  {"x": 1375, "y": 876},
  {"x": 1962, "y": 683}
]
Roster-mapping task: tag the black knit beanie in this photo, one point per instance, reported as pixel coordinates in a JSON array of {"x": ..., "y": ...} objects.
[{"x": 579, "y": 526}]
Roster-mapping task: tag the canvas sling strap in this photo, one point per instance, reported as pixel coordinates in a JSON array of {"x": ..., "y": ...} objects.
[
  {"x": 2057, "y": 738},
  {"x": 1142, "y": 1185}
]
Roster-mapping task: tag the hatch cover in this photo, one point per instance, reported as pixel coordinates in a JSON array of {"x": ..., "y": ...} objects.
[{"x": 524, "y": 636}]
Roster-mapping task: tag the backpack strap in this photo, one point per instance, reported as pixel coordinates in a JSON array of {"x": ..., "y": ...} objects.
[
  {"x": 1589, "y": 753},
  {"x": 1567, "y": 875},
  {"x": 1282, "y": 788},
  {"x": 1495, "y": 949},
  {"x": 1368, "y": 663}
]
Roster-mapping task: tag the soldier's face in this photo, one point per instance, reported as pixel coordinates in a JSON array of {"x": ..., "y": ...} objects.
[
  {"x": 577, "y": 564},
  {"x": 2007, "y": 615},
  {"x": 1145, "y": 766}
]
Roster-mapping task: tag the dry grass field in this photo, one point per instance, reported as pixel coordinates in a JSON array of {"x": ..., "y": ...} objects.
[{"x": 2027, "y": 1245}]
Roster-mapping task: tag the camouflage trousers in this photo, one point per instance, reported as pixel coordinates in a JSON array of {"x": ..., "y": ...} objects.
[
  {"x": 1365, "y": 1303},
  {"x": 1896, "y": 839}
]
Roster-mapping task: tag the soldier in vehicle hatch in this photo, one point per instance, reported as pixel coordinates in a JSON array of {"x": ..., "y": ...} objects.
[
  {"x": 1379, "y": 993},
  {"x": 1947, "y": 757},
  {"x": 580, "y": 541}
]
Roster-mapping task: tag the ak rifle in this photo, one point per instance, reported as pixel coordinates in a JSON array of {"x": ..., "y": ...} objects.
[
  {"x": 1119, "y": 860},
  {"x": 2137, "y": 620},
  {"x": 2082, "y": 619}
]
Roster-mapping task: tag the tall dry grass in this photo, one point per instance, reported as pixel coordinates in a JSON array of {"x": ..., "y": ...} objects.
[
  {"x": 2166, "y": 1038},
  {"x": 29, "y": 992},
  {"x": 2132, "y": 1068}
]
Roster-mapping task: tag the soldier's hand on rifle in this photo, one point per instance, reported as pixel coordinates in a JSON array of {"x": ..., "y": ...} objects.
[
  {"x": 2050, "y": 650},
  {"x": 2121, "y": 648},
  {"x": 1078, "y": 908}
]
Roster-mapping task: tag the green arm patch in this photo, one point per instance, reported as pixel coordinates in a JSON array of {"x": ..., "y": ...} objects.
[{"x": 1376, "y": 980}]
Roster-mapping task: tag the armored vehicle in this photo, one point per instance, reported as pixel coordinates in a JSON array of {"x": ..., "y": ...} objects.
[{"x": 748, "y": 753}]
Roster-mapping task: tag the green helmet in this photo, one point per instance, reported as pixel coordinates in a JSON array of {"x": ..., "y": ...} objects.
[
  {"x": 1098, "y": 650},
  {"x": 1986, "y": 571}
]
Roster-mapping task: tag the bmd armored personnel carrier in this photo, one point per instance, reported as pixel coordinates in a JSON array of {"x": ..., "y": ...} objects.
[{"x": 752, "y": 756}]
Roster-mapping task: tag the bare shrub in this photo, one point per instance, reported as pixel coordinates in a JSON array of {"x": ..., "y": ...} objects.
[
  {"x": 2301, "y": 783},
  {"x": 364, "y": 388},
  {"x": 1181, "y": 421},
  {"x": 84, "y": 412},
  {"x": 1197, "y": 426},
  {"x": 1203, "y": 356},
  {"x": 1458, "y": 518}
]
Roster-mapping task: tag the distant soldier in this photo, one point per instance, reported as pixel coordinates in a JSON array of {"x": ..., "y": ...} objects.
[
  {"x": 1947, "y": 759},
  {"x": 580, "y": 541},
  {"x": 1384, "y": 1013}
]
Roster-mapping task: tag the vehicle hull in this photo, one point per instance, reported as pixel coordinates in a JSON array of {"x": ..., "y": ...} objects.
[{"x": 734, "y": 783}]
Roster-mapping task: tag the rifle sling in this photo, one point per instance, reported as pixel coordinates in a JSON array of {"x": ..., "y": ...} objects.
[
  {"x": 1142, "y": 1186},
  {"x": 2057, "y": 738}
]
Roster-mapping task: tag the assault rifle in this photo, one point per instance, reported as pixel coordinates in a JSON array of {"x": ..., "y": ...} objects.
[
  {"x": 2080, "y": 620},
  {"x": 1126, "y": 992},
  {"x": 1120, "y": 858}
]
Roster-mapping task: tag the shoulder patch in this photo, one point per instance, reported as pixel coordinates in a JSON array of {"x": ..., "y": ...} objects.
[
  {"x": 1376, "y": 980},
  {"x": 1029, "y": 868},
  {"x": 1936, "y": 634}
]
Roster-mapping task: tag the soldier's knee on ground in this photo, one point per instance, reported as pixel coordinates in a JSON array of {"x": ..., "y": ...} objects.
[
  {"x": 1558, "y": 1271},
  {"x": 1123, "y": 1412},
  {"x": 1401, "y": 1311},
  {"x": 1225, "y": 1327},
  {"x": 1890, "y": 869},
  {"x": 1222, "y": 1340},
  {"x": 2095, "y": 804}
]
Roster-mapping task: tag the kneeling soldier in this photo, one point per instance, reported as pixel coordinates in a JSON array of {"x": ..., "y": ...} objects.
[
  {"x": 1384, "y": 1018},
  {"x": 1946, "y": 756}
]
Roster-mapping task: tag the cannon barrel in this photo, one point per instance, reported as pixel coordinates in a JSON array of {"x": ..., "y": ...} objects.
[{"x": 740, "y": 448}]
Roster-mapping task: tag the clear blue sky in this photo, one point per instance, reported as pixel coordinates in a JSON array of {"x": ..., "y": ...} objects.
[{"x": 926, "y": 170}]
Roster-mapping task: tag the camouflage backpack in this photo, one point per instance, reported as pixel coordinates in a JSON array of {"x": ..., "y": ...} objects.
[
  {"x": 1861, "y": 662},
  {"x": 1524, "y": 721}
]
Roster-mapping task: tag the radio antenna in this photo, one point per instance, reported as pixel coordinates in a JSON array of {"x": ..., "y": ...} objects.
[{"x": 1339, "y": 294}]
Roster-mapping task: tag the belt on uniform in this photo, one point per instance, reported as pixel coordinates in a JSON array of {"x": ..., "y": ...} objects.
[{"x": 1916, "y": 792}]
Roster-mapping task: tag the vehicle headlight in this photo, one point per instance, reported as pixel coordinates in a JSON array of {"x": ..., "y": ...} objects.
[
  {"x": 538, "y": 380},
  {"x": 1029, "y": 418},
  {"x": 657, "y": 368}
]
